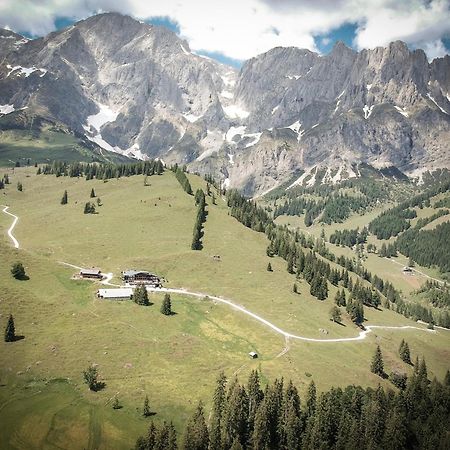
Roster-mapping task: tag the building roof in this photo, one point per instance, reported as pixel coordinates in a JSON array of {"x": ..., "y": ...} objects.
[
  {"x": 92, "y": 271},
  {"x": 252, "y": 354},
  {"x": 115, "y": 293},
  {"x": 132, "y": 272}
]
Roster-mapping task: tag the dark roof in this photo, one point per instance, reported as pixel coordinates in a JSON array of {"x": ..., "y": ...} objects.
[
  {"x": 131, "y": 273},
  {"x": 93, "y": 271}
]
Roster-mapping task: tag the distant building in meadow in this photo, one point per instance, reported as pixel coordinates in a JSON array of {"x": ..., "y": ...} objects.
[
  {"x": 141, "y": 277},
  {"x": 115, "y": 294},
  {"x": 92, "y": 273}
]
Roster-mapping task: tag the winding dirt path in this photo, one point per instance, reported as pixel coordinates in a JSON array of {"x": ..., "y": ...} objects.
[
  {"x": 361, "y": 336},
  {"x": 11, "y": 228}
]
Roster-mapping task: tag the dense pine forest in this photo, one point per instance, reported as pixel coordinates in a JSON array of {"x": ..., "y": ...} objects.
[{"x": 248, "y": 416}]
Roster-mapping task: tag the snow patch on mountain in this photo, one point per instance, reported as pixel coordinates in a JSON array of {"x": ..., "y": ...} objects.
[
  {"x": 105, "y": 115},
  {"x": 191, "y": 117},
  {"x": 434, "y": 101},
  {"x": 401, "y": 111},
  {"x": 367, "y": 111},
  {"x": 6, "y": 109},
  {"x": 234, "y": 131},
  {"x": 256, "y": 137},
  {"x": 236, "y": 112},
  {"x": 27, "y": 71}
]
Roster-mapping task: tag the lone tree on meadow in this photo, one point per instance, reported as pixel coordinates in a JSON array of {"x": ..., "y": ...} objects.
[
  {"x": 335, "y": 314},
  {"x": 404, "y": 352},
  {"x": 377, "y": 365},
  {"x": 92, "y": 193},
  {"x": 89, "y": 208},
  {"x": 141, "y": 295},
  {"x": 18, "y": 271},
  {"x": 146, "y": 410},
  {"x": 166, "y": 307},
  {"x": 19, "y": 186},
  {"x": 269, "y": 268},
  {"x": 10, "y": 331},
  {"x": 64, "y": 198},
  {"x": 91, "y": 378}
]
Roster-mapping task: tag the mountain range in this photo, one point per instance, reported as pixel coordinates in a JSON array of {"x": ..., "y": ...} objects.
[{"x": 287, "y": 115}]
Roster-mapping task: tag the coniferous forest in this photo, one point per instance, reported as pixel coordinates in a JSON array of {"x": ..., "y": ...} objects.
[{"x": 250, "y": 416}]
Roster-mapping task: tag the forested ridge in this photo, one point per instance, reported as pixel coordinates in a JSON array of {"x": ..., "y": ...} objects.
[
  {"x": 250, "y": 416},
  {"x": 310, "y": 260}
]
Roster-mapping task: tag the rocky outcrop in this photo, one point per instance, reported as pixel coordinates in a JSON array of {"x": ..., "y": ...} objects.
[{"x": 138, "y": 89}]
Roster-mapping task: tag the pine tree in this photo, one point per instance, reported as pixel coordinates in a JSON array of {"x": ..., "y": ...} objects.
[
  {"x": 116, "y": 404},
  {"x": 18, "y": 271},
  {"x": 19, "y": 186},
  {"x": 92, "y": 193},
  {"x": 269, "y": 268},
  {"x": 295, "y": 288},
  {"x": 404, "y": 352},
  {"x": 146, "y": 409},
  {"x": 10, "y": 331},
  {"x": 311, "y": 399},
  {"x": 64, "y": 198},
  {"x": 172, "y": 441},
  {"x": 335, "y": 314},
  {"x": 91, "y": 378},
  {"x": 196, "y": 436},
  {"x": 377, "y": 365},
  {"x": 166, "y": 307},
  {"x": 217, "y": 412},
  {"x": 140, "y": 295}
]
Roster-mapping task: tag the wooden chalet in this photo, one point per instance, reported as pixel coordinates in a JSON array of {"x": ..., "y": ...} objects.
[
  {"x": 93, "y": 273},
  {"x": 141, "y": 277}
]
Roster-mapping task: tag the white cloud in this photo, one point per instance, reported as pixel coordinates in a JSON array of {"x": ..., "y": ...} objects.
[{"x": 241, "y": 29}]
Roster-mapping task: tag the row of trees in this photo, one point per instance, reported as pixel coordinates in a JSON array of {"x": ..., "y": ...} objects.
[
  {"x": 102, "y": 171},
  {"x": 349, "y": 238},
  {"x": 276, "y": 417},
  {"x": 180, "y": 175},
  {"x": 200, "y": 202}
]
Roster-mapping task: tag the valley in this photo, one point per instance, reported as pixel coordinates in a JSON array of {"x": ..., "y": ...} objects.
[{"x": 146, "y": 222}]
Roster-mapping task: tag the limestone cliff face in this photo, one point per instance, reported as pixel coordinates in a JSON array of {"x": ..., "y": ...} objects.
[{"x": 138, "y": 89}]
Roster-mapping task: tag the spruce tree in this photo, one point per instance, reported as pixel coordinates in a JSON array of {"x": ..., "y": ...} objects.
[
  {"x": 404, "y": 352},
  {"x": 166, "y": 307},
  {"x": 92, "y": 193},
  {"x": 377, "y": 365},
  {"x": 91, "y": 378},
  {"x": 10, "y": 331},
  {"x": 217, "y": 412},
  {"x": 116, "y": 404},
  {"x": 335, "y": 314},
  {"x": 19, "y": 186},
  {"x": 140, "y": 295},
  {"x": 18, "y": 271},
  {"x": 269, "y": 268},
  {"x": 196, "y": 435},
  {"x": 64, "y": 198},
  {"x": 146, "y": 409}
]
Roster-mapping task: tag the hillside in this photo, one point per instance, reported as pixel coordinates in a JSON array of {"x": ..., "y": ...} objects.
[{"x": 147, "y": 223}]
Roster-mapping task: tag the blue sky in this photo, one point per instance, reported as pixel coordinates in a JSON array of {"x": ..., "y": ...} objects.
[{"x": 237, "y": 30}]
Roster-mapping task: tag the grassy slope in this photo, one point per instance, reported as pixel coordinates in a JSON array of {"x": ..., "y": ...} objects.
[
  {"x": 173, "y": 359},
  {"x": 45, "y": 146}
]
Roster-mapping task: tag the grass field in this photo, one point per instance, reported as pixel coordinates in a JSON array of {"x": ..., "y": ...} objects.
[
  {"x": 174, "y": 360},
  {"x": 43, "y": 146}
]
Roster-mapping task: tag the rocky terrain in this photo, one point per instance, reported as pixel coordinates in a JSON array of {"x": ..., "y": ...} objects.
[{"x": 138, "y": 89}]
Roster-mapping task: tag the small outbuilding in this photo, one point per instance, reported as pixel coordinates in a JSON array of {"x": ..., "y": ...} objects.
[
  {"x": 407, "y": 269},
  {"x": 92, "y": 273},
  {"x": 253, "y": 355},
  {"x": 115, "y": 294}
]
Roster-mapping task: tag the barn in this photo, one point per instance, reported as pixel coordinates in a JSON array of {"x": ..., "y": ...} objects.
[{"x": 115, "y": 294}]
